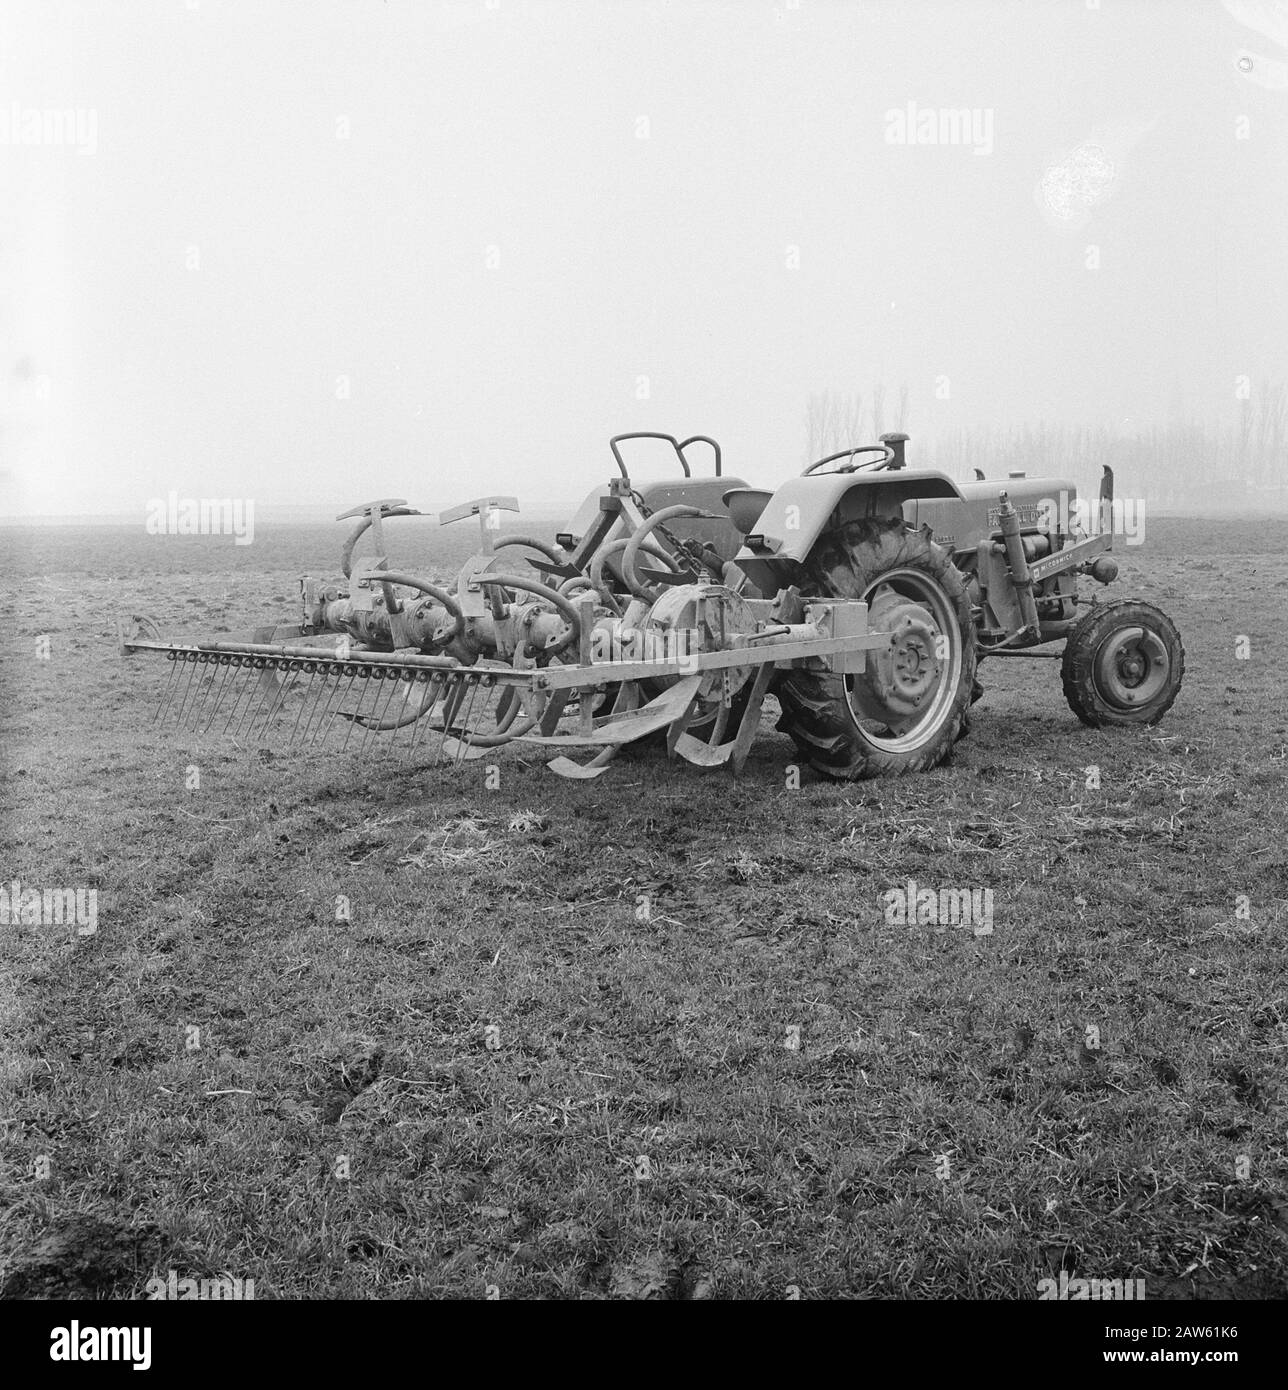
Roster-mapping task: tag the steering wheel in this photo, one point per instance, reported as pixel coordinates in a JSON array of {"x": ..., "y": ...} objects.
[{"x": 877, "y": 464}]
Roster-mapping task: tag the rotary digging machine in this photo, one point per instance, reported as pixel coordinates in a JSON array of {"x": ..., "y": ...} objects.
[{"x": 861, "y": 595}]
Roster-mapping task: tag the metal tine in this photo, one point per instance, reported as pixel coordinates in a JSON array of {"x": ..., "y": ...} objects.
[
  {"x": 279, "y": 730},
  {"x": 245, "y": 685},
  {"x": 379, "y": 691},
  {"x": 316, "y": 693},
  {"x": 342, "y": 695},
  {"x": 478, "y": 721},
  {"x": 343, "y": 678},
  {"x": 433, "y": 691},
  {"x": 316, "y": 732},
  {"x": 260, "y": 679},
  {"x": 182, "y": 659},
  {"x": 306, "y": 692},
  {"x": 167, "y": 694},
  {"x": 456, "y": 693},
  {"x": 220, "y": 666},
  {"x": 218, "y": 679},
  {"x": 353, "y": 714},
  {"x": 423, "y": 691},
  {"x": 492, "y": 709},
  {"x": 393, "y": 683},
  {"x": 451, "y": 707},
  {"x": 241, "y": 684},
  {"x": 434, "y": 687},
  {"x": 405, "y": 688},
  {"x": 398, "y": 706},
  {"x": 272, "y": 692},
  {"x": 194, "y": 699},
  {"x": 418, "y": 697},
  {"x": 318, "y": 690},
  {"x": 377, "y": 681},
  {"x": 226, "y": 666},
  {"x": 163, "y": 702},
  {"x": 183, "y": 699},
  {"x": 453, "y": 728},
  {"x": 447, "y": 699},
  {"x": 376, "y": 688},
  {"x": 202, "y": 694},
  {"x": 245, "y": 688},
  {"x": 462, "y": 722},
  {"x": 199, "y": 707},
  {"x": 279, "y": 715},
  {"x": 321, "y": 703},
  {"x": 271, "y": 697},
  {"x": 273, "y": 722},
  {"x": 393, "y": 687},
  {"x": 330, "y": 684},
  {"x": 364, "y": 685}
]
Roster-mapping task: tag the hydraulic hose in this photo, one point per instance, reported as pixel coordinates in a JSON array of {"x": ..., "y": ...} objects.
[
  {"x": 434, "y": 592},
  {"x": 548, "y": 595},
  {"x": 638, "y": 539}
]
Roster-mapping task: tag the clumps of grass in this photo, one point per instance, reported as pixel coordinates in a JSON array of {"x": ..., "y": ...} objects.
[
  {"x": 453, "y": 843},
  {"x": 745, "y": 868},
  {"x": 339, "y": 1068}
]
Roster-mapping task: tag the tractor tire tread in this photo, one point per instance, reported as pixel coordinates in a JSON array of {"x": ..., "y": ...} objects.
[
  {"x": 1077, "y": 673},
  {"x": 814, "y": 702}
]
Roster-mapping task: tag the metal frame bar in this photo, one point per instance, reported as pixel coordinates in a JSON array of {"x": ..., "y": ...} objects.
[{"x": 778, "y": 653}]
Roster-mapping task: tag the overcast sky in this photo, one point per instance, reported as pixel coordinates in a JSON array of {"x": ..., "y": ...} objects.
[{"x": 325, "y": 252}]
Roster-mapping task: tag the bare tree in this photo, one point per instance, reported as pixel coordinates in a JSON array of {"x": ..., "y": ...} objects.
[{"x": 834, "y": 420}]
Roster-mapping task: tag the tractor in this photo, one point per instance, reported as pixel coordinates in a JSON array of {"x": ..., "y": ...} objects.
[{"x": 861, "y": 595}]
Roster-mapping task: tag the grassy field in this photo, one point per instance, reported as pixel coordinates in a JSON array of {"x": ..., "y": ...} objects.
[{"x": 344, "y": 1124}]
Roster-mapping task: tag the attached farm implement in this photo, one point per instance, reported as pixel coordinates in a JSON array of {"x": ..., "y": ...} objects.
[{"x": 860, "y": 595}]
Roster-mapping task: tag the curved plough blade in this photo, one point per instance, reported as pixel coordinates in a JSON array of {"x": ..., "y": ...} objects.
[{"x": 626, "y": 727}]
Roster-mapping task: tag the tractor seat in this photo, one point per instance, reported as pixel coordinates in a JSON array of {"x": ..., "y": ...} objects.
[{"x": 745, "y": 506}]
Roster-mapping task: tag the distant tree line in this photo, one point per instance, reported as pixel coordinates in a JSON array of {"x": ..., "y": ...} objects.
[{"x": 1178, "y": 464}]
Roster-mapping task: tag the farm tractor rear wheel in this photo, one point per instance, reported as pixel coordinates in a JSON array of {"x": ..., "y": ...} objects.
[
  {"x": 906, "y": 710},
  {"x": 1123, "y": 664}
]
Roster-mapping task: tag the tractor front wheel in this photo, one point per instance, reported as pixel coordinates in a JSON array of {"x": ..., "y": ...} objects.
[
  {"x": 905, "y": 711},
  {"x": 1123, "y": 664}
]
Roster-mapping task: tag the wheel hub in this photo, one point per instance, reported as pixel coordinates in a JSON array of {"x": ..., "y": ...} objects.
[
  {"x": 1131, "y": 667},
  {"x": 900, "y": 678}
]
